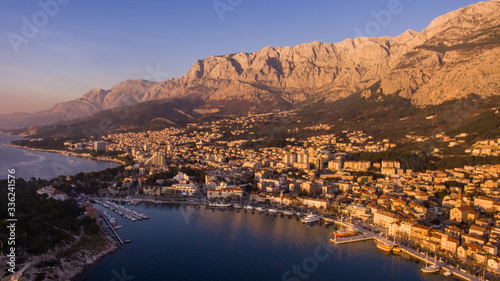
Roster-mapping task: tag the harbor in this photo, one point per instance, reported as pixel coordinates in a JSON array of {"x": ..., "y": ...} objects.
[
  {"x": 105, "y": 218},
  {"x": 366, "y": 235},
  {"x": 122, "y": 211}
]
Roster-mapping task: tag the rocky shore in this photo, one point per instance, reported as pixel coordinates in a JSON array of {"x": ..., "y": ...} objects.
[{"x": 70, "y": 263}]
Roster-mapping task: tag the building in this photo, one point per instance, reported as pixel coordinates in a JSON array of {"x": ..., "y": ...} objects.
[
  {"x": 316, "y": 203},
  {"x": 384, "y": 219},
  {"x": 159, "y": 159},
  {"x": 463, "y": 214},
  {"x": 486, "y": 204},
  {"x": 100, "y": 146},
  {"x": 52, "y": 193},
  {"x": 235, "y": 193}
]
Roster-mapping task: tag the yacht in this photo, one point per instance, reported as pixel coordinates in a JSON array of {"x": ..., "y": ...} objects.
[
  {"x": 219, "y": 205},
  {"x": 431, "y": 268},
  {"x": 260, "y": 209},
  {"x": 273, "y": 211},
  {"x": 310, "y": 218}
]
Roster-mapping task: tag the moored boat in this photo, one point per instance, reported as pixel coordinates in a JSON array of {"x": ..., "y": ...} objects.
[
  {"x": 249, "y": 207},
  {"x": 431, "y": 269},
  {"x": 273, "y": 211},
  {"x": 345, "y": 233},
  {"x": 383, "y": 246},
  {"x": 310, "y": 218},
  {"x": 287, "y": 213},
  {"x": 222, "y": 205}
]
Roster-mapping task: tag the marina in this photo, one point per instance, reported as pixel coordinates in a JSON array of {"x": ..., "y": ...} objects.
[
  {"x": 253, "y": 240},
  {"x": 105, "y": 218},
  {"x": 122, "y": 211}
]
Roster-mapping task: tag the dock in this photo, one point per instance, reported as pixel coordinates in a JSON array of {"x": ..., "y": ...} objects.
[
  {"x": 111, "y": 227},
  {"x": 368, "y": 235}
]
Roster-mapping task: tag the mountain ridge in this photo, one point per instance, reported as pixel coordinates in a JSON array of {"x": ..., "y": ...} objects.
[{"x": 455, "y": 56}]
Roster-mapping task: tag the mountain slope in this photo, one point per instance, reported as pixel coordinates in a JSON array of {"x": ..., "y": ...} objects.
[
  {"x": 454, "y": 57},
  {"x": 125, "y": 93}
]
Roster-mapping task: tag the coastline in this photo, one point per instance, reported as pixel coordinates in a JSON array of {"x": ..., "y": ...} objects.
[
  {"x": 71, "y": 266},
  {"x": 69, "y": 153}
]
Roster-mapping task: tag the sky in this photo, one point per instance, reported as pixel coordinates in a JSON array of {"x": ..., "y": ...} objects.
[{"x": 57, "y": 50}]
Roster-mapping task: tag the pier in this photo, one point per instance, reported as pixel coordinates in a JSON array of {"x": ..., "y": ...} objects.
[
  {"x": 372, "y": 236},
  {"x": 110, "y": 227}
]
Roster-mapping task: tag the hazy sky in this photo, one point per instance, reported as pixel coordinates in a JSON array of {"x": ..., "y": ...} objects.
[{"x": 57, "y": 50}]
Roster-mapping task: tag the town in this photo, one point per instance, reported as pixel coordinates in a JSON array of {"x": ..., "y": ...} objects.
[{"x": 449, "y": 213}]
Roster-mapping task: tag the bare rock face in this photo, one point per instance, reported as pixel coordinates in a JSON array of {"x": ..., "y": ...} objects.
[{"x": 456, "y": 55}]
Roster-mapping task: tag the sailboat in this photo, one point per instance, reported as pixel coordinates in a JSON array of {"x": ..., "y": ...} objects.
[
  {"x": 431, "y": 268},
  {"x": 384, "y": 246}
]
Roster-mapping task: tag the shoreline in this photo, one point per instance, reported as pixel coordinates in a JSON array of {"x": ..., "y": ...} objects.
[{"x": 69, "y": 153}]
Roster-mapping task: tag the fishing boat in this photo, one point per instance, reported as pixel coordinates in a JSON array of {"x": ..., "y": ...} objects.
[{"x": 310, "y": 218}]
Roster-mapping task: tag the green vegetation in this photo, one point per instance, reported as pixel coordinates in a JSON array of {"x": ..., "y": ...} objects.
[
  {"x": 52, "y": 144},
  {"x": 42, "y": 223}
]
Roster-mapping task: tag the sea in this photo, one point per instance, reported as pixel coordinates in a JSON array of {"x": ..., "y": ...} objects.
[
  {"x": 45, "y": 165},
  {"x": 181, "y": 242}
]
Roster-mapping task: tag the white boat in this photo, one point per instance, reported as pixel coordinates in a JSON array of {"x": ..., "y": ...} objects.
[
  {"x": 310, "y": 218},
  {"x": 238, "y": 206},
  {"x": 219, "y": 205},
  {"x": 260, "y": 209},
  {"x": 248, "y": 207},
  {"x": 447, "y": 273},
  {"x": 431, "y": 268},
  {"x": 273, "y": 211},
  {"x": 288, "y": 213},
  {"x": 117, "y": 227}
]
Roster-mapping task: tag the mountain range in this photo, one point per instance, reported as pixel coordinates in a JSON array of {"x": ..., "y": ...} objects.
[{"x": 454, "y": 57}]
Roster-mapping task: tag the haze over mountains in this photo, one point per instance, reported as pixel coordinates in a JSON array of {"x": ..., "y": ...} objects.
[{"x": 455, "y": 56}]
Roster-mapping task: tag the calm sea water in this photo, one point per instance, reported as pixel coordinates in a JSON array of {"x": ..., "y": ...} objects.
[
  {"x": 45, "y": 165},
  {"x": 194, "y": 243}
]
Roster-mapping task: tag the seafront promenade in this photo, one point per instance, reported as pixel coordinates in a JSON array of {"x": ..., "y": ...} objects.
[{"x": 365, "y": 235}]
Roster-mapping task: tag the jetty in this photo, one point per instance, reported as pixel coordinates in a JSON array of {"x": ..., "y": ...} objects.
[
  {"x": 365, "y": 235},
  {"x": 110, "y": 227}
]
